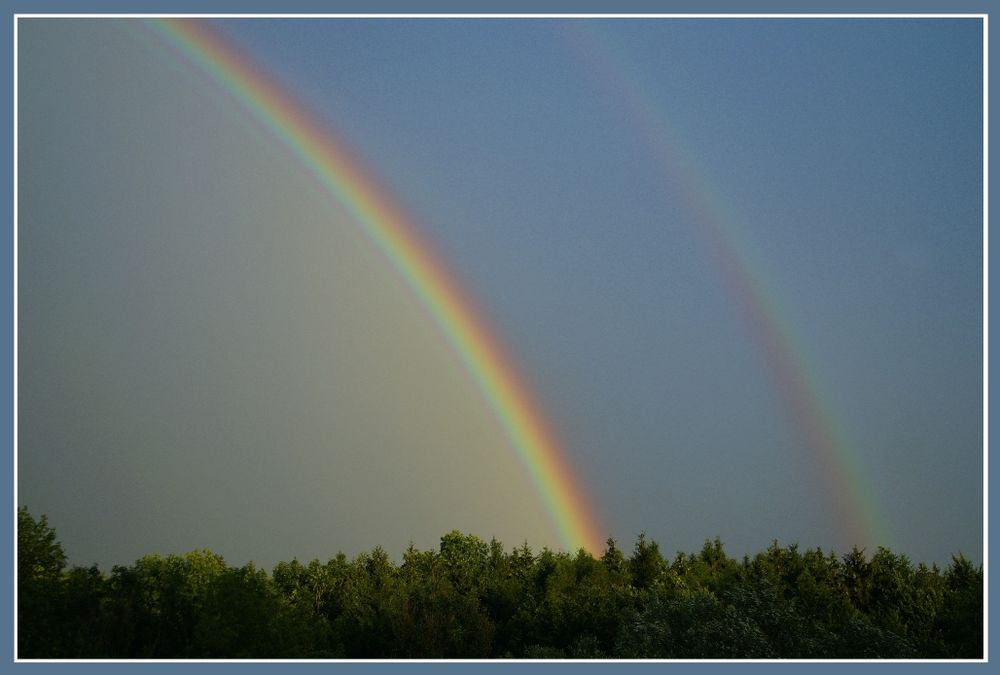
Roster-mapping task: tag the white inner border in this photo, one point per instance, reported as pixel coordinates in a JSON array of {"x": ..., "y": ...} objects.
[{"x": 985, "y": 20}]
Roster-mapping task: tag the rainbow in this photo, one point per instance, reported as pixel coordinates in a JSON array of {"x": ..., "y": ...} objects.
[
  {"x": 467, "y": 331},
  {"x": 851, "y": 499}
]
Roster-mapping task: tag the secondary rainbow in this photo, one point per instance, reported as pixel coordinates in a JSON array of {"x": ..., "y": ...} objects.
[
  {"x": 850, "y": 497},
  {"x": 399, "y": 240}
]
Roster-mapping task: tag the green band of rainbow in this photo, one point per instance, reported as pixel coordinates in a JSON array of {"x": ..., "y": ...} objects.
[{"x": 396, "y": 237}]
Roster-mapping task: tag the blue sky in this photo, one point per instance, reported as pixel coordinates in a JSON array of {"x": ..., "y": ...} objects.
[{"x": 159, "y": 227}]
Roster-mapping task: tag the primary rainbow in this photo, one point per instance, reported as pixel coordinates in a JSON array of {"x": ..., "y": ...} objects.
[
  {"x": 396, "y": 237},
  {"x": 850, "y": 498}
]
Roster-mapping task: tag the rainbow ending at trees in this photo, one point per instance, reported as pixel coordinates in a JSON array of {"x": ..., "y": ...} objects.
[{"x": 342, "y": 175}]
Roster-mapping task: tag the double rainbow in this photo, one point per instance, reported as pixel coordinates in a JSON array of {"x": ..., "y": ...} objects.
[{"x": 398, "y": 239}]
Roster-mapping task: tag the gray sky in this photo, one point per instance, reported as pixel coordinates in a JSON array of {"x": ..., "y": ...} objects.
[{"x": 212, "y": 354}]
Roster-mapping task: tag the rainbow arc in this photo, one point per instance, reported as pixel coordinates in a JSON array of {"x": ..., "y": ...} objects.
[
  {"x": 467, "y": 331},
  {"x": 838, "y": 464}
]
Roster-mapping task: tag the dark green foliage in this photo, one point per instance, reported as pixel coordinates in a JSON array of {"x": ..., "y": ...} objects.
[
  {"x": 40, "y": 563},
  {"x": 961, "y": 616},
  {"x": 646, "y": 566},
  {"x": 473, "y": 599}
]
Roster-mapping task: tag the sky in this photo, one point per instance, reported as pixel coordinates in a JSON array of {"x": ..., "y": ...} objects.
[{"x": 737, "y": 264}]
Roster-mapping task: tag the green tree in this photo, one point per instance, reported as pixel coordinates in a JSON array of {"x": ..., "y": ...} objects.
[
  {"x": 646, "y": 565},
  {"x": 961, "y": 620},
  {"x": 82, "y": 630},
  {"x": 40, "y": 562},
  {"x": 40, "y": 556},
  {"x": 465, "y": 558},
  {"x": 430, "y": 618},
  {"x": 857, "y": 579},
  {"x": 614, "y": 561},
  {"x": 891, "y": 601},
  {"x": 165, "y": 598},
  {"x": 238, "y": 616},
  {"x": 711, "y": 568}
]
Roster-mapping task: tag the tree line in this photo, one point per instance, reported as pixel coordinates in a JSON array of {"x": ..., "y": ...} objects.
[{"x": 473, "y": 599}]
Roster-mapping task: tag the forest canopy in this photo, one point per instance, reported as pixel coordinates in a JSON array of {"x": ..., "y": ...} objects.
[{"x": 474, "y": 599}]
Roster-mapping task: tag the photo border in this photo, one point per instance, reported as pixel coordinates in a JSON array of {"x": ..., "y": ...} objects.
[{"x": 232, "y": 7}]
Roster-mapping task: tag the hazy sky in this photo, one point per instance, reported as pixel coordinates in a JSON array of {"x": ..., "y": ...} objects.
[{"x": 212, "y": 353}]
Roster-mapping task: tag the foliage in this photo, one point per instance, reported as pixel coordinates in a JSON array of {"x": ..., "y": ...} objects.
[
  {"x": 40, "y": 564},
  {"x": 473, "y": 599}
]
